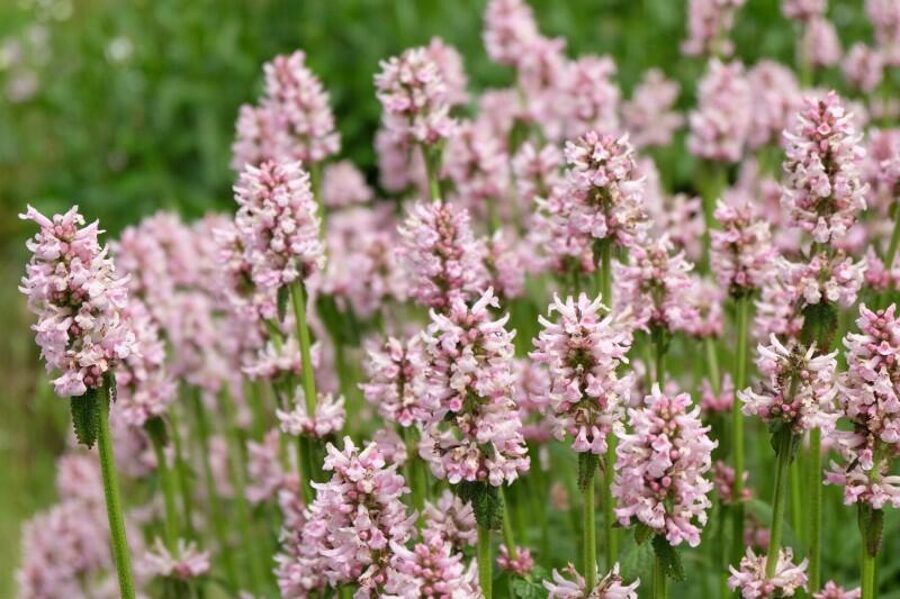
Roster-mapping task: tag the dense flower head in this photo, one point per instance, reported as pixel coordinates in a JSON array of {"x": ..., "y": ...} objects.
[
  {"x": 450, "y": 65},
  {"x": 798, "y": 387},
  {"x": 474, "y": 432},
  {"x": 399, "y": 165},
  {"x": 344, "y": 185},
  {"x": 265, "y": 473},
  {"x": 260, "y": 135},
  {"x": 592, "y": 97},
  {"x": 278, "y": 224},
  {"x": 477, "y": 164},
  {"x": 583, "y": 351},
  {"x": 709, "y": 24},
  {"x": 885, "y": 18},
  {"x": 328, "y": 418},
  {"x": 823, "y": 189},
  {"x": 569, "y": 584},
  {"x": 881, "y": 168},
  {"x": 443, "y": 260},
  {"x": 679, "y": 216},
  {"x": 650, "y": 116},
  {"x": 751, "y": 580},
  {"x": 509, "y": 28},
  {"x": 521, "y": 565},
  {"x": 723, "y": 478},
  {"x": 653, "y": 283},
  {"x": 721, "y": 124},
  {"x": 537, "y": 170},
  {"x": 542, "y": 78},
  {"x": 803, "y": 10},
  {"x": 506, "y": 264},
  {"x": 863, "y": 67},
  {"x": 297, "y": 96},
  {"x": 713, "y": 403},
  {"x": 357, "y": 515},
  {"x": 868, "y": 398},
  {"x": 820, "y": 42},
  {"x": 430, "y": 570},
  {"x": 185, "y": 563},
  {"x": 741, "y": 251},
  {"x": 605, "y": 186},
  {"x": 72, "y": 286},
  {"x": 660, "y": 468},
  {"x": 414, "y": 95},
  {"x": 706, "y": 300},
  {"x": 832, "y": 590},
  {"x": 835, "y": 279},
  {"x": 776, "y": 97},
  {"x": 279, "y": 358},
  {"x": 394, "y": 369},
  {"x": 452, "y": 519},
  {"x": 778, "y": 310}
]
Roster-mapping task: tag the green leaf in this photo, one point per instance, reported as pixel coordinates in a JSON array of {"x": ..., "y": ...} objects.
[
  {"x": 86, "y": 417},
  {"x": 587, "y": 468},
  {"x": 871, "y": 524},
  {"x": 485, "y": 502},
  {"x": 636, "y": 561},
  {"x": 284, "y": 294},
  {"x": 527, "y": 589},
  {"x": 820, "y": 323},
  {"x": 642, "y": 532},
  {"x": 669, "y": 557},
  {"x": 156, "y": 428}
]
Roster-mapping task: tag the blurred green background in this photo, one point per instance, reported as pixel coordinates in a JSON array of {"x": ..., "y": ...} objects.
[{"x": 128, "y": 106}]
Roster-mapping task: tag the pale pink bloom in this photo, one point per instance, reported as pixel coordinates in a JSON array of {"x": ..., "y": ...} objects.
[
  {"x": 660, "y": 467},
  {"x": 344, "y": 185},
  {"x": 400, "y": 165},
  {"x": 803, "y": 10},
  {"x": 706, "y": 299},
  {"x": 721, "y": 123},
  {"x": 591, "y": 96},
  {"x": 583, "y": 350},
  {"x": 72, "y": 286},
  {"x": 820, "y": 42},
  {"x": 776, "y": 97},
  {"x": 832, "y": 590},
  {"x": 185, "y": 563},
  {"x": 543, "y": 79},
  {"x": 709, "y": 25},
  {"x": 441, "y": 256},
  {"x": 450, "y": 65},
  {"x": 391, "y": 445},
  {"x": 710, "y": 403},
  {"x": 278, "y": 224},
  {"x": 537, "y": 171},
  {"x": 823, "y": 188},
  {"x": 569, "y": 584},
  {"x": 797, "y": 388},
  {"x": 681, "y": 218},
  {"x": 521, "y": 566},
  {"x": 881, "y": 170},
  {"x": 741, "y": 250},
  {"x": 297, "y": 96},
  {"x": 821, "y": 279},
  {"x": 778, "y": 311},
  {"x": 756, "y": 535},
  {"x": 451, "y": 519},
  {"x": 533, "y": 400},
  {"x": 723, "y": 478},
  {"x": 78, "y": 477},
  {"x": 474, "y": 432},
  {"x": 328, "y": 418},
  {"x": 500, "y": 110},
  {"x": 477, "y": 164},
  {"x": 751, "y": 580},
  {"x": 430, "y": 570},
  {"x": 280, "y": 359},
  {"x": 653, "y": 284},
  {"x": 509, "y": 27},
  {"x": 650, "y": 116},
  {"x": 260, "y": 136},
  {"x": 265, "y": 473},
  {"x": 394, "y": 368},
  {"x": 863, "y": 67},
  {"x": 885, "y": 17},
  {"x": 554, "y": 237},
  {"x": 505, "y": 264},
  {"x": 414, "y": 95}
]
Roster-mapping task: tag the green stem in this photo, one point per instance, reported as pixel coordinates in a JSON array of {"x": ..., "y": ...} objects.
[
  {"x": 509, "y": 539},
  {"x": 184, "y": 478},
  {"x": 167, "y": 480},
  {"x": 413, "y": 469},
  {"x": 796, "y": 501},
  {"x": 712, "y": 363},
  {"x": 485, "y": 574},
  {"x": 432, "y": 158},
  {"x": 113, "y": 499},
  {"x": 868, "y": 575},
  {"x": 815, "y": 512},
  {"x": 782, "y": 465},
  {"x": 737, "y": 429},
  {"x": 309, "y": 377},
  {"x": 590, "y": 531},
  {"x": 660, "y": 362},
  {"x": 610, "y": 534},
  {"x": 659, "y": 578},
  {"x": 871, "y": 526},
  {"x": 215, "y": 507}
]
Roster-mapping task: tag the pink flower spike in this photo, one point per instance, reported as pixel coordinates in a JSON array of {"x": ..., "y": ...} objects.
[
  {"x": 569, "y": 584},
  {"x": 753, "y": 583}
]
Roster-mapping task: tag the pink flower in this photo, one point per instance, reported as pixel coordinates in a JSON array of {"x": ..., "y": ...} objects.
[
  {"x": 474, "y": 432},
  {"x": 72, "y": 287},
  {"x": 265, "y": 474},
  {"x": 260, "y": 136},
  {"x": 822, "y": 279},
  {"x": 709, "y": 24},
  {"x": 537, "y": 170},
  {"x": 741, "y": 251},
  {"x": 797, "y": 390},
  {"x": 569, "y": 584},
  {"x": 659, "y": 478},
  {"x": 885, "y": 17},
  {"x": 592, "y": 96},
  {"x": 439, "y": 252},
  {"x": 328, "y": 418},
  {"x": 533, "y": 400},
  {"x": 721, "y": 124},
  {"x": 832, "y": 590},
  {"x": 823, "y": 188},
  {"x": 521, "y": 566},
  {"x": 710, "y": 403},
  {"x": 653, "y": 285},
  {"x": 414, "y": 95},
  {"x": 775, "y": 98},
  {"x": 863, "y": 67},
  {"x": 297, "y": 96},
  {"x": 583, "y": 351},
  {"x": 753, "y": 583},
  {"x": 430, "y": 570},
  {"x": 451, "y": 519},
  {"x": 803, "y": 10},
  {"x": 344, "y": 185},
  {"x": 450, "y": 65},
  {"x": 505, "y": 264},
  {"x": 820, "y": 43},
  {"x": 723, "y": 478},
  {"x": 399, "y": 167},
  {"x": 278, "y": 224},
  {"x": 509, "y": 27},
  {"x": 394, "y": 369},
  {"x": 477, "y": 164},
  {"x": 185, "y": 563},
  {"x": 706, "y": 299},
  {"x": 650, "y": 116}
]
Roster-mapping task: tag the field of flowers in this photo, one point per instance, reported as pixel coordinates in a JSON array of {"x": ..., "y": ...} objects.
[{"x": 481, "y": 299}]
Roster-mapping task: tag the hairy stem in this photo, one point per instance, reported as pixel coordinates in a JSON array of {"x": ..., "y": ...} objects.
[
  {"x": 590, "y": 531},
  {"x": 782, "y": 466},
  {"x": 737, "y": 430},
  {"x": 485, "y": 574},
  {"x": 815, "y": 511}
]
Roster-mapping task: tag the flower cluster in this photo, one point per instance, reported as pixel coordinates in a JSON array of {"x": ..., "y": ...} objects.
[
  {"x": 649, "y": 115},
  {"x": 395, "y": 368},
  {"x": 569, "y": 584},
  {"x": 753, "y": 583},
  {"x": 660, "y": 466},
  {"x": 709, "y": 23},
  {"x": 720, "y": 126},
  {"x": 328, "y": 418},
  {"x": 741, "y": 251}
]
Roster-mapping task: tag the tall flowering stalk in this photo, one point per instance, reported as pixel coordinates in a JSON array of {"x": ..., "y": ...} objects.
[
  {"x": 583, "y": 351},
  {"x": 868, "y": 400},
  {"x": 660, "y": 483},
  {"x": 72, "y": 287}
]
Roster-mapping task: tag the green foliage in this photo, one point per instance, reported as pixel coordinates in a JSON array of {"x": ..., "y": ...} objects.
[
  {"x": 86, "y": 416},
  {"x": 669, "y": 558},
  {"x": 485, "y": 501}
]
